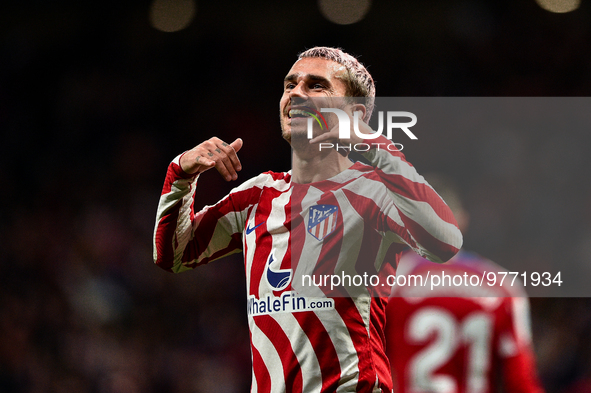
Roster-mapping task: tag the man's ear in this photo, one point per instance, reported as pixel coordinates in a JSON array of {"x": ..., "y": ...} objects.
[{"x": 359, "y": 108}]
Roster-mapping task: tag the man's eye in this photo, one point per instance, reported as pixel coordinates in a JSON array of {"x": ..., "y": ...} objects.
[
  {"x": 289, "y": 86},
  {"x": 317, "y": 86}
]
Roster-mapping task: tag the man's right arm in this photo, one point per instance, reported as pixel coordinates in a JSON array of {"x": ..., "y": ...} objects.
[{"x": 184, "y": 239}]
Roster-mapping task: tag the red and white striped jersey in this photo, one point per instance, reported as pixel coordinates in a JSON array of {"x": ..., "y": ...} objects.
[
  {"x": 307, "y": 338},
  {"x": 458, "y": 338}
]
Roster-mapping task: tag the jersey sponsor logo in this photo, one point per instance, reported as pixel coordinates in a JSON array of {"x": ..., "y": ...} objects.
[
  {"x": 288, "y": 302},
  {"x": 322, "y": 220},
  {"x": 249, "y": 229},
  {"x": 279, "y": 279}
]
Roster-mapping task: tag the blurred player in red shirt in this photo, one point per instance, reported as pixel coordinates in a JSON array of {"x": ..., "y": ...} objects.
[{"x": 456, "y": 337}]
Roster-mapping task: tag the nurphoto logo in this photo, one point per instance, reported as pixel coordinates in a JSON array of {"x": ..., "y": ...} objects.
[{"x": 345, "y": 128}]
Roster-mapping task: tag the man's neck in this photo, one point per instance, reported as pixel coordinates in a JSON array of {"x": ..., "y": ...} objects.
[{"x": 310, "y": 168}]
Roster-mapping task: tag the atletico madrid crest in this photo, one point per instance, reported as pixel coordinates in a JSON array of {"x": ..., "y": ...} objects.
[{"x": 322, "y": 220}]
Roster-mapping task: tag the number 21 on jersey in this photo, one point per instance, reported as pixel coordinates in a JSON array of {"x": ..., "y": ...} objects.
[{"x": 473, "y": 332}]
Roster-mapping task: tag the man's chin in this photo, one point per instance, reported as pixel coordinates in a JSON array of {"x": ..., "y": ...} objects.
[
  {"x": 300, "y": 142},
  {"x": 286, "y": 135},
  {"x": 291, "y": 133}
]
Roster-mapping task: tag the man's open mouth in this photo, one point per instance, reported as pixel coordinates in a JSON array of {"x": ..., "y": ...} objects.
[
  {"x": 295, "y": 113},
  {"x": 307, "y": 112}
]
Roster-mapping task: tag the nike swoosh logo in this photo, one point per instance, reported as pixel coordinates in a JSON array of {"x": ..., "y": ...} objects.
[{"x": 249, "y": 230}]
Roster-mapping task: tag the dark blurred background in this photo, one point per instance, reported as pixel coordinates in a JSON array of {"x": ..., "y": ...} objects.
[{"x": 96, "y": 98}]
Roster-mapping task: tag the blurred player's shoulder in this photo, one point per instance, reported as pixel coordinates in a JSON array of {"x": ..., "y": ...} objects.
[
  {"x": 410, "y": 261},
  {"x": 466, "y": 274}
]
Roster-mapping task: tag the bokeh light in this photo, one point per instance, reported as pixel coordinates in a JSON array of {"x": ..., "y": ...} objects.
[
  {"x": 344, "y": 12},
  {"x": 559, "y": 6},
  {"x": 172, "y": 15}
]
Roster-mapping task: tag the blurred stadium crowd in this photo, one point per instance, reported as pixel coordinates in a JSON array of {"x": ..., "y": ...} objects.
[{"x": 94, "y": 103}]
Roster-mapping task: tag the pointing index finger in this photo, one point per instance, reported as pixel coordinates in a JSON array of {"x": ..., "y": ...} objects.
[{"x": 230, "y": 151}]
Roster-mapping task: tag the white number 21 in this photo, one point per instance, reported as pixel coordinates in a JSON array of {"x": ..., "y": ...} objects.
[{"x": 474, "y": 331}]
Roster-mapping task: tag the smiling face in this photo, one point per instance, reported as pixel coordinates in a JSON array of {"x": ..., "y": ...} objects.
[{"x": 308, "y": 78}]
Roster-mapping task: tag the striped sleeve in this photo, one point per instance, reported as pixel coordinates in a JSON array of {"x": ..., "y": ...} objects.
[
  {"x": 184, "y": 239},
  {"x": 417, "y": 214}
]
